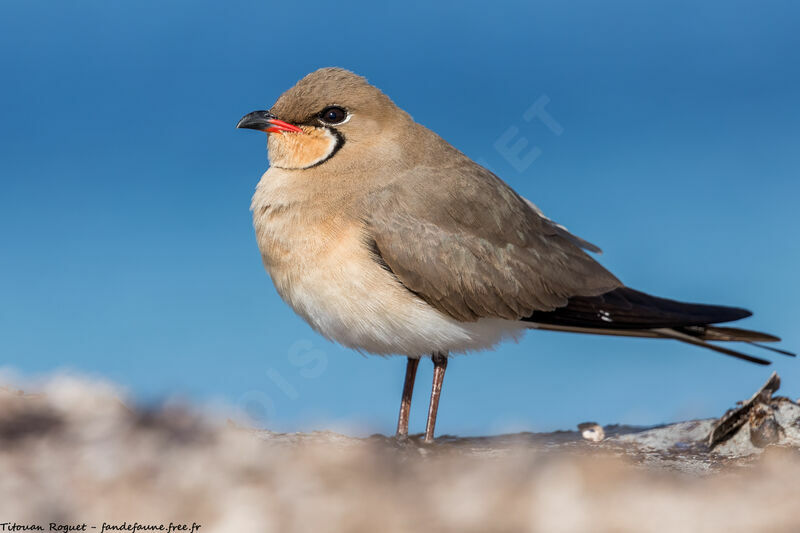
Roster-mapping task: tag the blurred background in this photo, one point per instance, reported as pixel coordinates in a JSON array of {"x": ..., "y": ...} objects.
[{"x": 669, "y": 138}]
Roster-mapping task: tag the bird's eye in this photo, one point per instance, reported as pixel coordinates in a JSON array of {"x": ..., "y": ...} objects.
[{"x": 332, "y": 115}]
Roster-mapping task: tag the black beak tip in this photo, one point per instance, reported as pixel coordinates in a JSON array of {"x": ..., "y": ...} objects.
[{"x": 257, "y": 120}]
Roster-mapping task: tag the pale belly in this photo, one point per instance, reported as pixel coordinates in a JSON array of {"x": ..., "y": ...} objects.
[{"x": 325, "y": 272}]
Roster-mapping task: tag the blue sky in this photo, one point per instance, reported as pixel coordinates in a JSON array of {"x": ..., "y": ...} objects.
[{"x": 127, "y": 251}]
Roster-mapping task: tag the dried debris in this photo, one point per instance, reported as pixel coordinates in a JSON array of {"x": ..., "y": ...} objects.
[
  {"x": 734, "y": 419},
  {"x": 592, "y": 431},
  {"x": 764, "y": 427}
]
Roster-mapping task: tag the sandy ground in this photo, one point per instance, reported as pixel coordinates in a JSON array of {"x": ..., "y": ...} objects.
[{"x": 74, "y": 454}]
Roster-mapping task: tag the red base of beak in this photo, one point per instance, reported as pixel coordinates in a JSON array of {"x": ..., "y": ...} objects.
[{"x": 279, "y": 126}]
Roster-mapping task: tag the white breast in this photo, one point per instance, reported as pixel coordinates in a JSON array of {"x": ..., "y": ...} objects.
[{"x": 322, "y": 268}]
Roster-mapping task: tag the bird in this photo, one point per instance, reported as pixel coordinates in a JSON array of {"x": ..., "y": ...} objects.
[{"x": 387, "y": 239}]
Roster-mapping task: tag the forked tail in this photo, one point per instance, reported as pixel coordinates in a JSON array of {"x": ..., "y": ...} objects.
[{"x": 629, "y": 313}]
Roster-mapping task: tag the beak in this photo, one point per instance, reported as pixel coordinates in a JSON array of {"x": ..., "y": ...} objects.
[{"x": 266, "y": 121}]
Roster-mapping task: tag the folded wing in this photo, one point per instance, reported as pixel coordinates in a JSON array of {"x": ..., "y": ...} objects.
[{"x": 470, "y": 246}]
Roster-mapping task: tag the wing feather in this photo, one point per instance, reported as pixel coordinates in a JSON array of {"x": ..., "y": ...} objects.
[{"x": 466, "y": 243}]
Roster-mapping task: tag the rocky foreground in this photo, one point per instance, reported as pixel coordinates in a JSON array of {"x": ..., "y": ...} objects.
[{"x": 75, "y": 456}]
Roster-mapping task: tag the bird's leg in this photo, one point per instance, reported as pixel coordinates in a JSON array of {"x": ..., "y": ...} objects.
[
  {"x": 408, "y": 390},
  {"x": 439, "y": 366}
]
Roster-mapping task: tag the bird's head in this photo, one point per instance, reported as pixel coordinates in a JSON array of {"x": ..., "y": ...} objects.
[{"x": 328, "y": 112}]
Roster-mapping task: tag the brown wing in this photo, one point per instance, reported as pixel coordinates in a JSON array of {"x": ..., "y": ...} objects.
[{"x": 467, "y": 244}]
